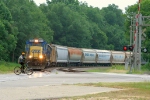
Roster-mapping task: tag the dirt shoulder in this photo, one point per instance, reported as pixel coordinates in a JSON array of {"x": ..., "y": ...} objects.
[{"x": 57, "y": 91}]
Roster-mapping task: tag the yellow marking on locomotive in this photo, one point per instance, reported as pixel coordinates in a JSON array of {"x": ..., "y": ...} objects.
[{"x": 36, "y": 52}]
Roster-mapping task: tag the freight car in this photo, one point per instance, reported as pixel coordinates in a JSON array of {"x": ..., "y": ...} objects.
[
  {"x": 74, "y": 56},
  {"x": 128, "y": 54},
  {"x": 118, "y": 57},
  {"x": 104, "y": 57},
  {"x": 41, "y": 55},
  {"x": 70, "y": 56},
  {"x": 88, "y": 57},
  {"x": 58, "y": 55}
]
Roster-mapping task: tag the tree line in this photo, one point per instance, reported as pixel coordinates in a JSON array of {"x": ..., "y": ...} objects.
[{"x": 64, "y": 22}]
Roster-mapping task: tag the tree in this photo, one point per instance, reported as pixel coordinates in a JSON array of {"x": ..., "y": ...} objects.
[
  {"x": 114, "y": 27},
  {"x": 31, "y": 22},
  {"x": 69, "y": 26},
  {"x": 8, "y": 33}
]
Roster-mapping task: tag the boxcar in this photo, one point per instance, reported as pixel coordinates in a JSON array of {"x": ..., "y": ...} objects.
[
  {"x": 103, "y": 57},
  {"x": 75, "y": 55},
  {"x": 118, "y": 57},
  {"x": 88, "y": 57}
]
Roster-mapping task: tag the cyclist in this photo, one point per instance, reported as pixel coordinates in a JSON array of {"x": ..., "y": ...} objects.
[{"x": 21, "y": 61}]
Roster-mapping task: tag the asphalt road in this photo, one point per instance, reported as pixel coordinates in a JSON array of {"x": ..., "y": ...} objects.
[
  {"x": 57, "y": 78},
  {"x": 46, "y": 81}
]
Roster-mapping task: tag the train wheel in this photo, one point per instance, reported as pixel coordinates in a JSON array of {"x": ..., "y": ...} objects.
[{"x": 17, "y": 70}]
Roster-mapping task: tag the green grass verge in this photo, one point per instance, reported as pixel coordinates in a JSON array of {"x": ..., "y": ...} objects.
[
  {"x": 99, "y": 69},
  {"x": 7, "y": 67},
  {"x": 130, "y": 91},
  {"x": 123, "y": 85},
  {"x": 120, "y": 69}
]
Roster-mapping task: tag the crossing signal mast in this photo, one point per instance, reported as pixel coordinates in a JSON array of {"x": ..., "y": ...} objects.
[{"x": 137, "y": 22}]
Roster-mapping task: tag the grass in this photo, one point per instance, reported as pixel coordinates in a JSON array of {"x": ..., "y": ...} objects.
[
  {"x": 130, "y": 91},
  {"x": 7, "y": 67},
  {"x": 119, "y": 69},
  {"x": 100, "y": 69}
]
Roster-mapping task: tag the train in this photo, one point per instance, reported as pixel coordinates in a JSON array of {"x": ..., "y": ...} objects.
[{"x": 41, "y": 55}]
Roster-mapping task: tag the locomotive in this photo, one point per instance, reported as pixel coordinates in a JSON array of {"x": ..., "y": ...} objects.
[
  {"x": 36, "y": 53},
  {"x": 40, "y": 55}
]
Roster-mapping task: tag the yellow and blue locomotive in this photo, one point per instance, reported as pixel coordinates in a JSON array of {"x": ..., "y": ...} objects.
[{"x": 36, "y": 53}]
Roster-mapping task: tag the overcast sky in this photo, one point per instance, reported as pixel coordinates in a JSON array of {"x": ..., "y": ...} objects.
[{"x": 103, "y": 3}]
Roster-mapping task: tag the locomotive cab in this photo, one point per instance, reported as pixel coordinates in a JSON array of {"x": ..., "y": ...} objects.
[{"x": 36, "y": 53}]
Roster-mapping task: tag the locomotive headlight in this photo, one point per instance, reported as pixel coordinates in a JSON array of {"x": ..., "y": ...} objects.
[
  {"x": 30, "y": 56},
  {"x": 40, "y": 56},
  {"x": 36, "y": 41}
]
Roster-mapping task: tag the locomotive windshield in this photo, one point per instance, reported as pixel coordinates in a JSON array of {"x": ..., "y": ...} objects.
[{"x": 35, "y": 44}]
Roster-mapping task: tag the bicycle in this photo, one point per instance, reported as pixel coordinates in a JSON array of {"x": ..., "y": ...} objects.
[{"x": 18, "y": 70}]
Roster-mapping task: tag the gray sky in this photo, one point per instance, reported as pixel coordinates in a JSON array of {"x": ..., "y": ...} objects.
[{"x": 103, "y": 3}]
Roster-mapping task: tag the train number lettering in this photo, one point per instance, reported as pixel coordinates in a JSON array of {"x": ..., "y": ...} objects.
[
  {"x": 87, "y": 54},
  {"x": 35, "y": 51},
  {"x": 91, "y": 54}
]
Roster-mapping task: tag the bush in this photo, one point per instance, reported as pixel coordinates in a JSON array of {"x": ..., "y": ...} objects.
[
  {"x": 6, "y": 67},
  {"x": 118, "y": 67},
  {"x": 146, "y": 67}
]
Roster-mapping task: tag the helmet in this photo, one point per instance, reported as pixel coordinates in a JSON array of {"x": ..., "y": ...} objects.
[{"x": 22, "y": 53}]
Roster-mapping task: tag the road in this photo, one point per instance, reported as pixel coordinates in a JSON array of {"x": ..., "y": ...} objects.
[{"x": 51, "y": 84}]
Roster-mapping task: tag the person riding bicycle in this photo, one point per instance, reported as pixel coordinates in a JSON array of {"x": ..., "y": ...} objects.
[{"x": 21, "y": 61}]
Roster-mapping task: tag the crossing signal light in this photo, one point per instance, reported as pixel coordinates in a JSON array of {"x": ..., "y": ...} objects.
[
  {"x": 144, "y": 50},
  {"x": 131, "y": 48},
  {"x": 125, "y": 48}
]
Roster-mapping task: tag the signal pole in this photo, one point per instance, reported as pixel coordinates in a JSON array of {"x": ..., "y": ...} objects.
[
  {"x": 135, "y": 42},
  {"x": 137, "y": 22},
  {"x": 139, "y": 35},
  {"x": 139, "y": 44}
]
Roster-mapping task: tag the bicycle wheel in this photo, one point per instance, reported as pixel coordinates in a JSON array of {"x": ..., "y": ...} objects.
[
  {"x": 28, "y": 71},
  {"x": 17, "y": 70}
]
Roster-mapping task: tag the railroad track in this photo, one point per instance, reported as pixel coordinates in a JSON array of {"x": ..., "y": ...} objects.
[
  {"x": 73, "y": 69},
  {"x": 64, "y": 69}
]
